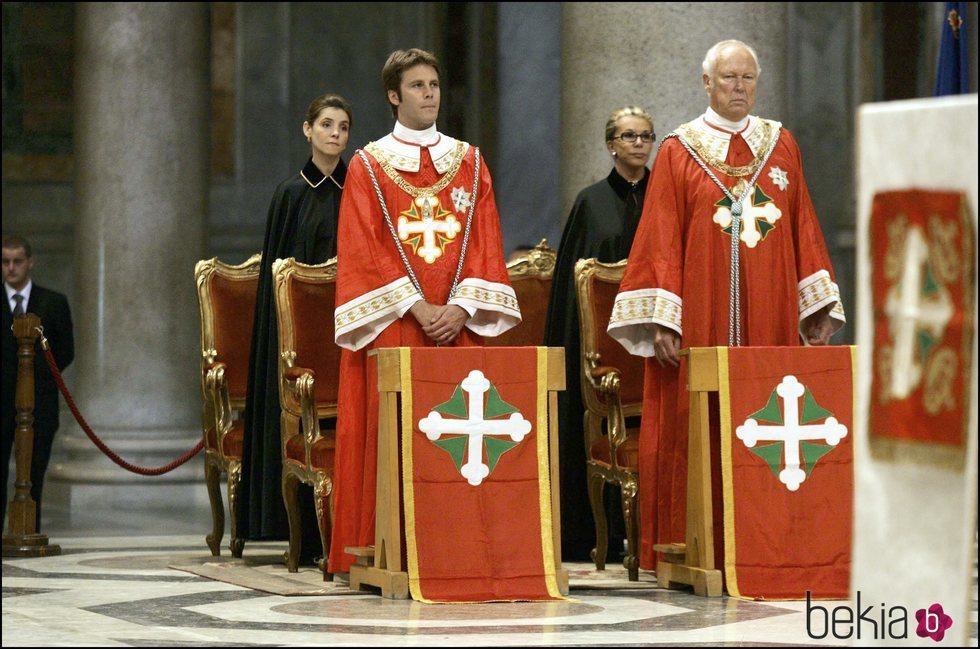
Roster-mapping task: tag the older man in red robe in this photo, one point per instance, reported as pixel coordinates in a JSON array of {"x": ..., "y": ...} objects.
[
  {"x": 420, "y": 262},
  {"x": 728, "y": 252}
]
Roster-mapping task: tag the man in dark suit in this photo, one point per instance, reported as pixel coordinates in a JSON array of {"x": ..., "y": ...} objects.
[{"x": 23, "y": 296}]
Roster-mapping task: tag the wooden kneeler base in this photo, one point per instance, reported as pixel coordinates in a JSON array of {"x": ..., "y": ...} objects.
[
  {"x": 673, "y": 573},
  {"x": 393, "y": 585}
]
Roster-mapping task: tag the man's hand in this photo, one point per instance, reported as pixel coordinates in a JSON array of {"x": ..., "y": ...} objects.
[
  {"x": 446, "y": 323},
  {"x": 818, "y": 327},
  {"x": 666, "y": 345},
  {"x": 423, "y": 312}
]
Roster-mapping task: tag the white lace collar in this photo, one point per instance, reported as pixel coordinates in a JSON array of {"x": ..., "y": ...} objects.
[
  {"x": 714, "y": 118},
  {"x": 403, "y": 148},
  {"x": 712, "y": 129}
]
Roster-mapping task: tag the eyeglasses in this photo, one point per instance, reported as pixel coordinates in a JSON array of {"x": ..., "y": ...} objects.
[{"x": 630, "y": 136}]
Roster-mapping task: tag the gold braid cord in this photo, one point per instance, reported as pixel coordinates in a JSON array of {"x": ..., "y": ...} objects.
[{"x": 381, "y": 156}]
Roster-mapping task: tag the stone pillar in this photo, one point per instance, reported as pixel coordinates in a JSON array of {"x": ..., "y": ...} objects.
[
  {"x": 650, "y": 54},
  {"x": 824, "y": 90},
  {"x": 141, "y": 194},
  {"x": 526, "y": 174}
]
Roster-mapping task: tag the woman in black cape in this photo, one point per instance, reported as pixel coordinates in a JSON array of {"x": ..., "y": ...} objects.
[
  {"x": 302, "y": 223},
  {"x": 601, "y": 225}
]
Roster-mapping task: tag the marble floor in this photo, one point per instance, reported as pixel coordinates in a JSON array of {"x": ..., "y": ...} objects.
[{"x": 112, "y": 586}]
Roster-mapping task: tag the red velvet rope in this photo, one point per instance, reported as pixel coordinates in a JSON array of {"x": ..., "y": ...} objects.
[{"x": 49, "y": 357}]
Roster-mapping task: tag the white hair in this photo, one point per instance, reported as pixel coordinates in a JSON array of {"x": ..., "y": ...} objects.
[{"x": 711, "y": 58}]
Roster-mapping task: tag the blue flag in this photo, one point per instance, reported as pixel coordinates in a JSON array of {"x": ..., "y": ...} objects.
[{"x": 953, "y": 76}]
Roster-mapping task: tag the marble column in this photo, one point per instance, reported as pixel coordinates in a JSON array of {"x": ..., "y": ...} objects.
[
  {"x": 526, "y": 172},
  {"x": 141, "y": 197},
  {"x": 825, "y": 89},
  {"x": 649, "y": 54}
]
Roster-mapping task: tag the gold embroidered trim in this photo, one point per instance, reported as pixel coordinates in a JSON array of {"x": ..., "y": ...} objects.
[
  {"x": 365, "y": 310},
  {"x": 819, "y": 290},
  {"x": 761, "y": 138},
  {"x": 505, "y": 301},
  {"x": 381, "y": 156},
  {"x": 646, "y": 307}
]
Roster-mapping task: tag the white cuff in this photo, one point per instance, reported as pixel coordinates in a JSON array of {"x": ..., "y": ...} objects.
[
  {"x": 359, "y": 321},
  {"x": 816, "y": 292},
  {"x": 635, "y": 312},
  {"x": 492, "y": 307}
]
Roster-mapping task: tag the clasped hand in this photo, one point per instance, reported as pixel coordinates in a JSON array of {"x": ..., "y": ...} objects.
[
  {"x": 440, "y": 323},
  {"x": 816, "y": 328}
]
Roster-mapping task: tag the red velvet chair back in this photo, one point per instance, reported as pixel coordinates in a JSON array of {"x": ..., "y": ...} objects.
[
  {"x": 226, "y": 296},
  {"x": 530, "y": 275},
  {"x": 312, "y": 301},
  {"x": 305, "y": 308}
]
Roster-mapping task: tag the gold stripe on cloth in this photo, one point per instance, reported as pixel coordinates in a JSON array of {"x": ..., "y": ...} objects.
[
  {"x": 544, "y": 477},
  {"x": 381, "y": 156}
]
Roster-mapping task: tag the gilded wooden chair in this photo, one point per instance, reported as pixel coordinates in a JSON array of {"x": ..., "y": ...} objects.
[
  {"x": 226, "y": 296},
  {"x": 530, "y": 275},
  {"x": 309, "y": 373},
  {"x": 612, "y": 390}
]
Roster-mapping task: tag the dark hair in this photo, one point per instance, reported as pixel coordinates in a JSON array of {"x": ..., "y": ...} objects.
[
  {"x": 329, "y": 100},
  {"x": 399, "y": 61},
  {"x": 13, "y": 241}
]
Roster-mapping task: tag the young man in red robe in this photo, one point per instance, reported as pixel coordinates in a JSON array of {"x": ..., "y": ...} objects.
[
  {"x": 420, "y": 262},
  {"x": 725, "y": 174}
]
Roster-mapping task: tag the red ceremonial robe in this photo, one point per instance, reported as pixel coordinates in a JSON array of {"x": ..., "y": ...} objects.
[
  {"x": 679, "y": 269},
  {"x": 375, "y": 291}
]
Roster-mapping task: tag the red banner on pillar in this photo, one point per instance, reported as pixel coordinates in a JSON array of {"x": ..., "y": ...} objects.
[
  {"x": 787, "y": 418},
  {"x": 922, "y": 254},
  {"x": 478, "y": 520}
]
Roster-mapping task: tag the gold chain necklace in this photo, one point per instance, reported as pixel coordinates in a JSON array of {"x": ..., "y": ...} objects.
[
  {"x": 378, "y": 154},
  {"x": 693, "y": 138}
]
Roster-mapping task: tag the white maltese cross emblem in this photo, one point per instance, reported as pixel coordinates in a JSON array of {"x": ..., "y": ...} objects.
[
  {"x": 779, "y": 178},
  {"x": 461, "y": 199}
]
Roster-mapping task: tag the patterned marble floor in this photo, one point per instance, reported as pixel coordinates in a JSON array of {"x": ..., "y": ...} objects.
[{"x": 112, "y": 586}]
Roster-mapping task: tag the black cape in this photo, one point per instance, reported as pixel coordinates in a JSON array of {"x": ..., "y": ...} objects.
[
  {"x": 302, "y": 223},
  {"x": 602, "y": 225}
]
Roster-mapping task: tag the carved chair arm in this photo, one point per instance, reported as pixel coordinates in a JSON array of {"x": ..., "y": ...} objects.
[
  {"x": 217, "y": 394},
  {"x": 301, "y": 381},
  {"x": 293, "y": 374},
  {"x": 600, "y": 372},
  {"x": 607, "y": 382}
]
